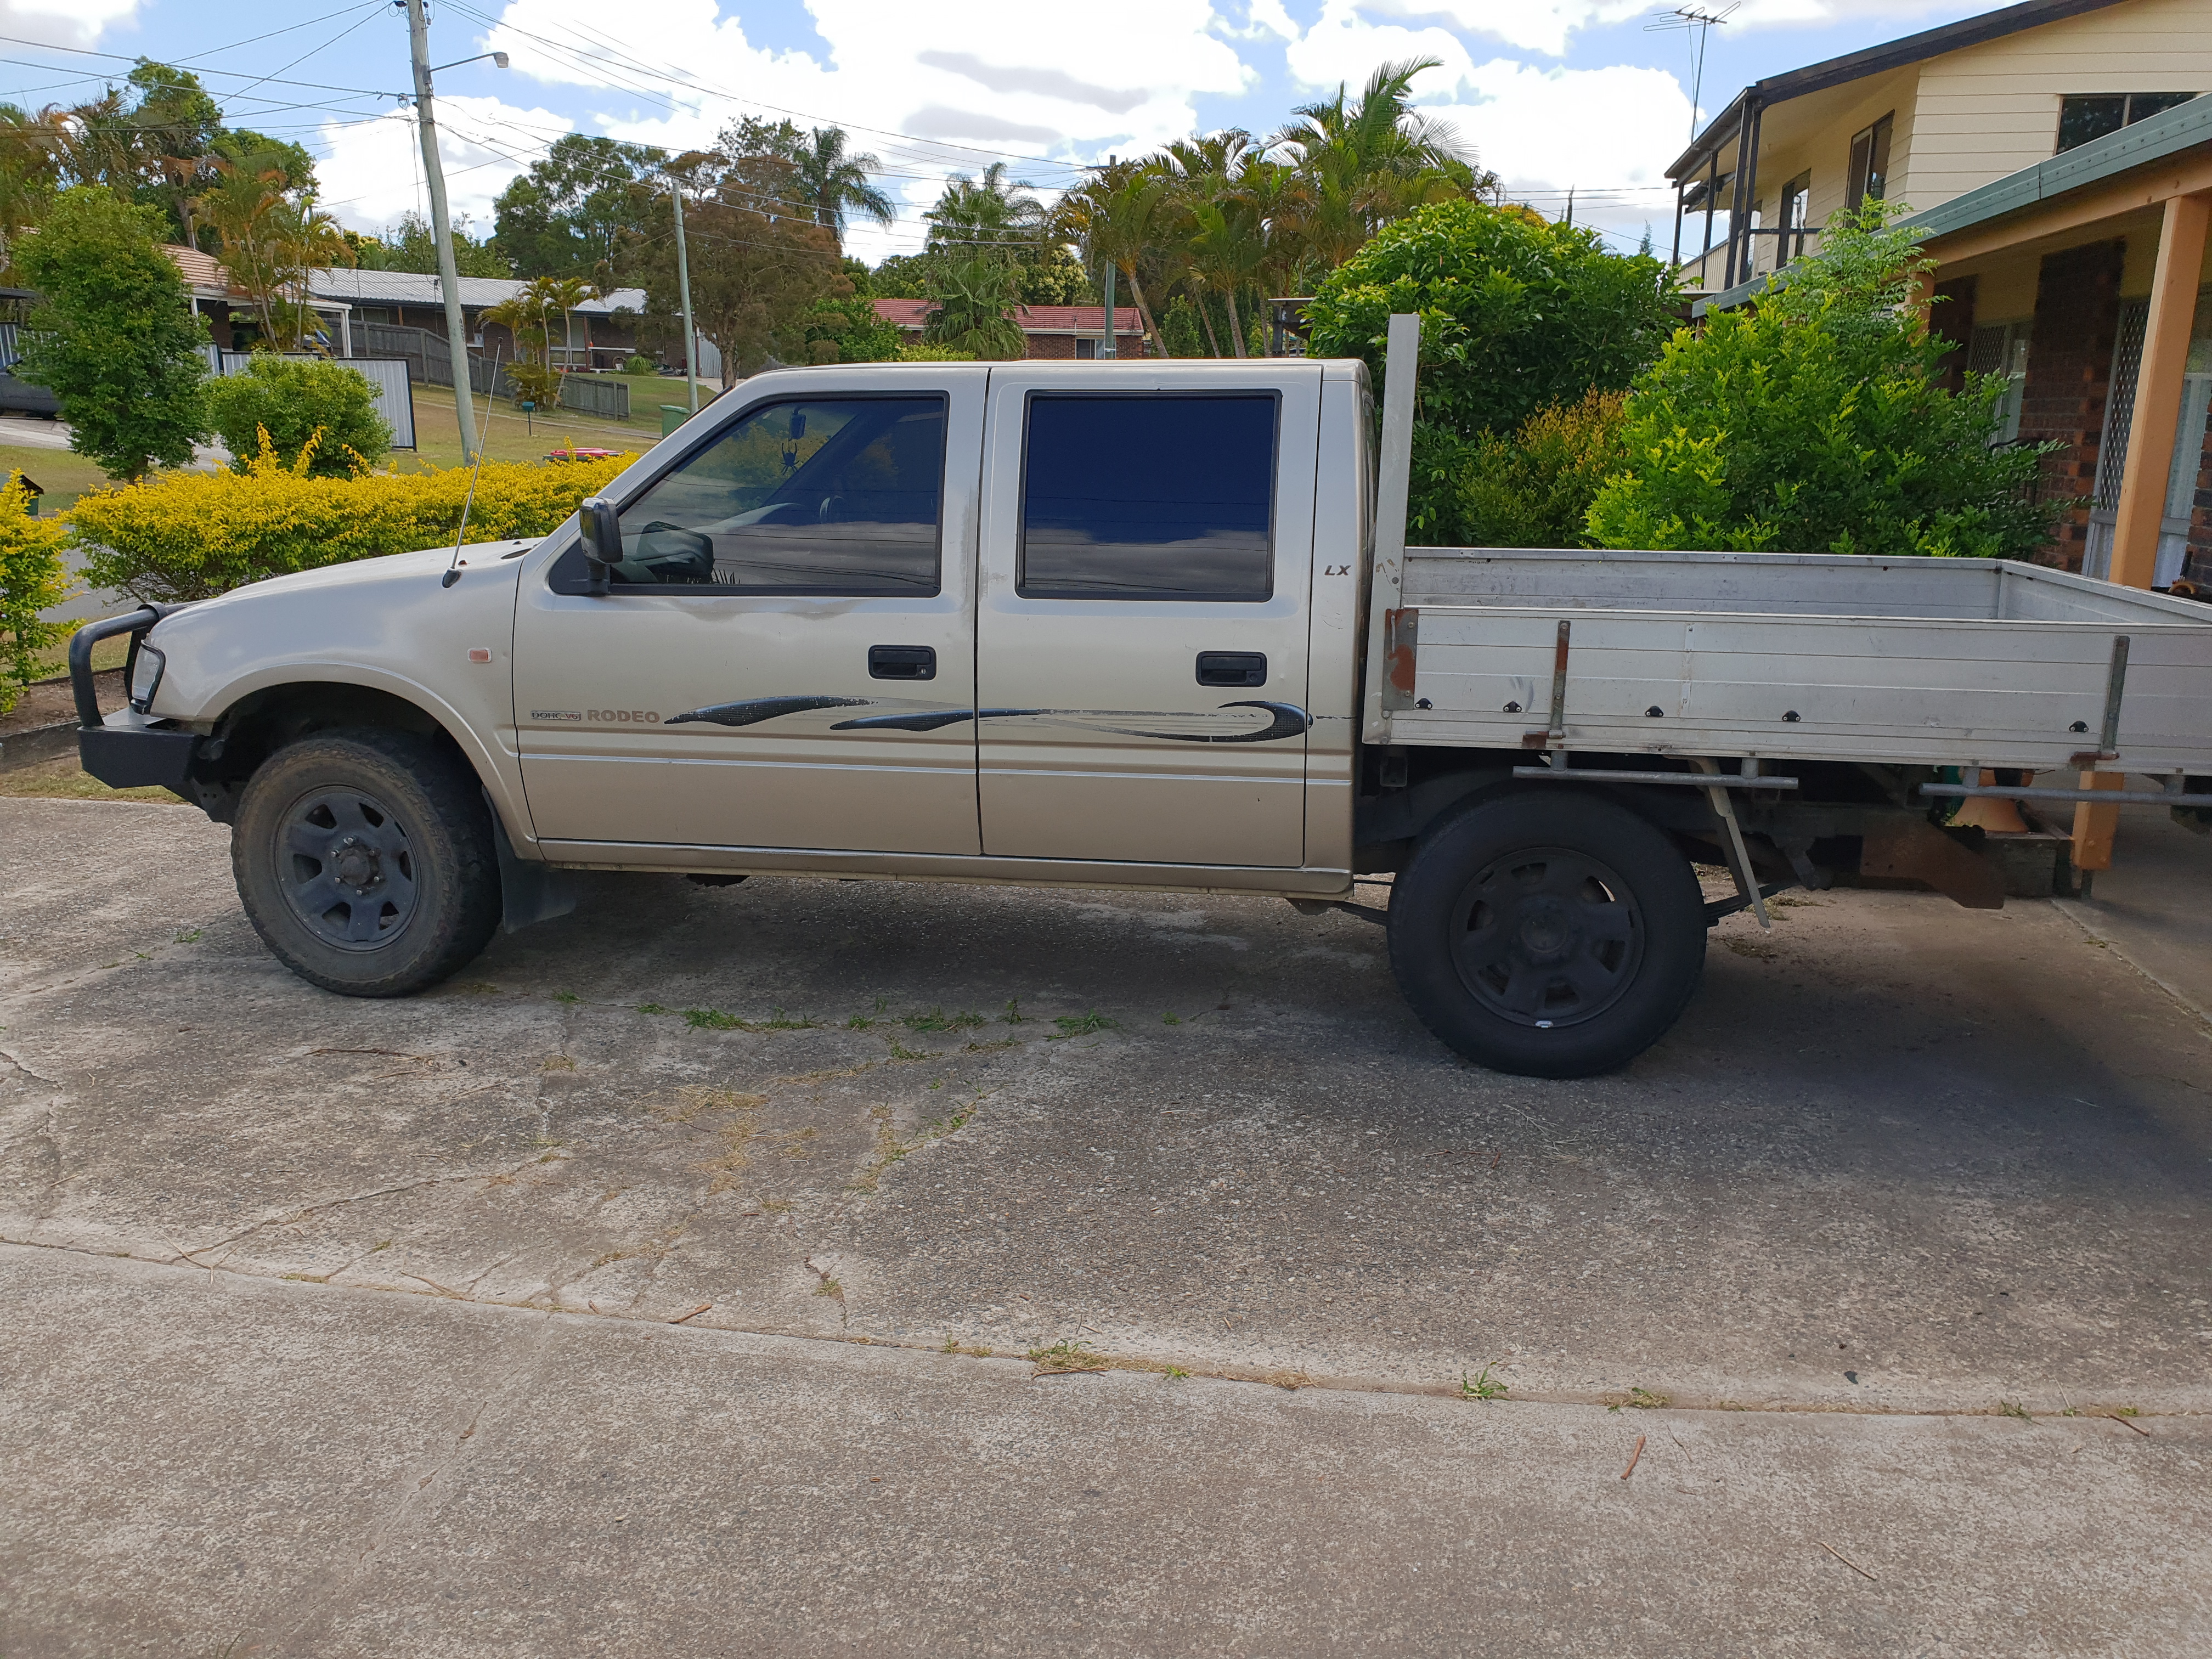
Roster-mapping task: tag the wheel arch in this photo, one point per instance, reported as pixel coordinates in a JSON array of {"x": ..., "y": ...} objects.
[{"x": 262, "y": 713}]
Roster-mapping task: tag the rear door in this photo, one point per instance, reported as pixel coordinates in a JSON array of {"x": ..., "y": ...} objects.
[
  {"x": 1141, "y": 633},
  {"x": 784, "y": 659}
]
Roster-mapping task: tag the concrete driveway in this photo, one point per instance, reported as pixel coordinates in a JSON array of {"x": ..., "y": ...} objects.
[{"x": 667, "y": 1284}]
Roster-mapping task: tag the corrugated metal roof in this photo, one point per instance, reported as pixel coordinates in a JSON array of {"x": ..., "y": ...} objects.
[{"x": 408, "y": 288}]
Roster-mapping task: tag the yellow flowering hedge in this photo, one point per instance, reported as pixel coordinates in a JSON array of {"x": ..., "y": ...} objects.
[
  {"x": 192, "y": 535},
  {"x": 32, "y": 577}
]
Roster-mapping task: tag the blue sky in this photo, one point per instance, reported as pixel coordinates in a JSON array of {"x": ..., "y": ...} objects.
[{"x": 1552, "y": 94}]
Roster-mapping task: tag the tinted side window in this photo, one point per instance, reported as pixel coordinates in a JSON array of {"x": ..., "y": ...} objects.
[
  {"x": 822, "y": 495},
  {"x": 1165, "y": 498}
]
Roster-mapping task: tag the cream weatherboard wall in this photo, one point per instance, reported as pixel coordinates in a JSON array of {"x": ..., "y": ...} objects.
[
  {"x": 1967, "y": 117},
  {"x": 1993, "y": 109}
]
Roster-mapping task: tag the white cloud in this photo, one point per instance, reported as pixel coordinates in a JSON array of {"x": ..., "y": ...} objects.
[
  {"x": 1532, "y": 24},
  {"x": 928, "y": 89},
  {"x": 1606, "y": 133},
  {"x": 372, "y": 173},
  {"x": 64, "y": 22}
]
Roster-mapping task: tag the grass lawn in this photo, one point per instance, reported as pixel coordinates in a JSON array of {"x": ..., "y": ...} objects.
[
  {"x": 508, "y": 436},
  {"x": 65, "y": 474},
  {"x": 61, "y": 778}
]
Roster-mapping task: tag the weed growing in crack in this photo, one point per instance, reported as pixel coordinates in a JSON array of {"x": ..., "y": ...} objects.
[
  {"x": 1482, "y": 1386},
  {"x": 937, "y": 1020},
  {"x": 900, "y": 1051},
  {"x": 1171, "y": 1019},
  {"x": 566, "y": 996},
  {"x": 830, "y": 1287},
  {"x": 651, "y": 1008},
  {"x": 1013, "y": 1014},
  {"x": 2014, "y": 1408},
  {"x": 1640, "y": 1399},
  {"x": 992, "y": 1047},
  {"x": 1075, "y": 1025},
  {"x": 1175, "y": 1374},
  {"x": 1064, "y": 1355},
  {"x": 190, "y": 936},
  {"x": 714, "y": 1019}
]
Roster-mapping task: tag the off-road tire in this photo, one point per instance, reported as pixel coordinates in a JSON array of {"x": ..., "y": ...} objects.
[
  {"x": 404, "y": 820},
  {"x": 1548, "y": 933}
]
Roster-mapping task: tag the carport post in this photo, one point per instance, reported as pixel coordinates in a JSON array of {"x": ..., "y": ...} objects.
[{"x": 2158, "y": 389}]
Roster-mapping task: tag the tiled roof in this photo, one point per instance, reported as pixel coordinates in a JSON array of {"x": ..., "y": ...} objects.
[
  {"x": 407, "y": 287},
  {"x": 204, "y": 273},
  {"x": 1034, "y": 320}
]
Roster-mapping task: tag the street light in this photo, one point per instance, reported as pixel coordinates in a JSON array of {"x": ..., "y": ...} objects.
[{"x": 498, "y": 58}]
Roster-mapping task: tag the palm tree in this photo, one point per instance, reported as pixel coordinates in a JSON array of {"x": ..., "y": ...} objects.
[
  {"x": 1362, "y": 164},
  {"x": 242, "y": 205},
  {"x": 1119, "y": 217},
  {"x": 1228, "y": 251},
  {"x": 988, "y": 214},
  {"x": 830, "y": 180},
  {"x": 972, "y": 307}
]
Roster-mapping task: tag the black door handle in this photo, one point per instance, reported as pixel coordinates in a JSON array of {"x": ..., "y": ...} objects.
[
  {"x": 902, "y": 662},
  {"x": 1243, "y": 668}
]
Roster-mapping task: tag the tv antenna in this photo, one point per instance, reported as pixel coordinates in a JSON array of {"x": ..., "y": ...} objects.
[{"x": 1698, "y": 21}]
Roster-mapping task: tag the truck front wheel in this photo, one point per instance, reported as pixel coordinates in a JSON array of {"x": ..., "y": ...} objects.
[
  {"x": 1549, "y": 934},
  {"x": 366, "y": 861}
]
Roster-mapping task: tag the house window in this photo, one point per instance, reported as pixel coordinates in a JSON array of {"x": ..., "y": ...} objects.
[
  {"x": 1085, "y": 350},
  {"x": 2092, "y": 116},
  {"x": 1796, "y": 198},
  {"x": 2000, "y": 352},
  {"x": 1869, "y": 178}
]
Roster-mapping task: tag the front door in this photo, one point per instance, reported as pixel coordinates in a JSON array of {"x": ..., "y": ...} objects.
[
  {"x": 1141, "y": 630},
  {"x": 771, "y": 659}
]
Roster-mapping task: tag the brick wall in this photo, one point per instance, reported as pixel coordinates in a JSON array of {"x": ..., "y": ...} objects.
[
  {"x": 2070, "y": 365},
  {"x": 1952, "y": 318}
]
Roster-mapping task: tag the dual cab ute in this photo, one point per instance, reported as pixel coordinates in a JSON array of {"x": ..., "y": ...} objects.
[{"x": 1139, "y": 625}]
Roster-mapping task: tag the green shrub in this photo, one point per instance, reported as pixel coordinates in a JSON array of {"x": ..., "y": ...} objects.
[
  {"x": 920, "y": 351},
  {"x": 637, "y": 364},
  {"x": 1818, "y": 424},
  {"x": 1535, "y": 489},
  {"x": 297, "y": 402},
  {"x": 192, "y": 535},
  {"x": 536, "y": 383},
  {"x": 1517, "y": 315},
  {"x": 32, "y": 577},
  {"x": 114, "y": 338},
  {"x": 849, "y": 331}
]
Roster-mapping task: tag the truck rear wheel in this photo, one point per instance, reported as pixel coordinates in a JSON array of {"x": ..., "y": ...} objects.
[
  {"x": 366, "y": 861},
  {"x": 1548, "y": 934}
]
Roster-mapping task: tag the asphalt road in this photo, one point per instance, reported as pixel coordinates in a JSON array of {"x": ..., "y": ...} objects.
[{"x": 342, "y": 1327}]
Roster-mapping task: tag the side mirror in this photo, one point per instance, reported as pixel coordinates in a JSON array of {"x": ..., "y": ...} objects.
[{"x": 602, "y": 534}]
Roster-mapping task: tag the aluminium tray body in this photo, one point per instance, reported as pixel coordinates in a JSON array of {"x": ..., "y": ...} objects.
[{"x": 1965, "y": 662}]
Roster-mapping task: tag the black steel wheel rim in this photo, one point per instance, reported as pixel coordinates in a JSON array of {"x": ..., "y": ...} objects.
[
  {"x": 347, "y": 868},
  {"x": 1546, "y": 937}
]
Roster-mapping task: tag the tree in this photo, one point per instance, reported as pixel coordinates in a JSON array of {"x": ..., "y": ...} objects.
[
  {"x": 115, "y": 337},
  {"x": 847, "y": 330},
  {"x": 589, "y": 207},
  {"x": 990, "y": 215},
  {"x": 833, "y": 181},
  {"x": 1362, "y": 164},
  {"x": 1517, "y": 314},
  {"x": 411, "y": 245},
  {"x": 34, "y": 577},
  {"x": 1116, "y": 218},
  {"x": 272, "y": 235},
  {"x": 754, "y": 277},
  {"x": 1818, "y": 422},
  {"x": 972, "y": 309},
  {"x": 296, "y": 404}
]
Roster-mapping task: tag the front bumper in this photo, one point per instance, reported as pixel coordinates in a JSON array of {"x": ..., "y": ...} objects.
[{"x": 125, "y": 750}]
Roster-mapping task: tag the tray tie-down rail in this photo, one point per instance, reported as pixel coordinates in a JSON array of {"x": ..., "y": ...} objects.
[{"x": 2176, "y": 792}]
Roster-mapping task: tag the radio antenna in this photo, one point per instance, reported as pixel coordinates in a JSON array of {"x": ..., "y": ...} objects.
[
  {"x": 1702, "y": 22},
  {"x": 453, "y": 565}
]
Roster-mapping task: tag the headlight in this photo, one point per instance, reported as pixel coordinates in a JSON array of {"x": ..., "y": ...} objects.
[{"x": 144, "y": 674}]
